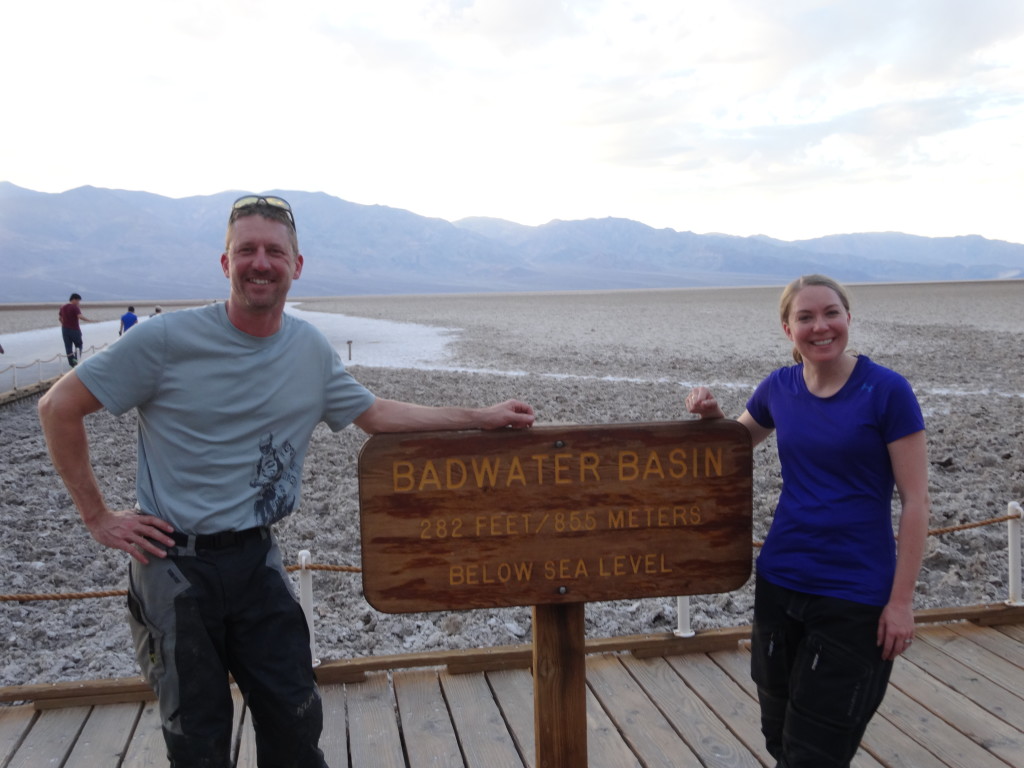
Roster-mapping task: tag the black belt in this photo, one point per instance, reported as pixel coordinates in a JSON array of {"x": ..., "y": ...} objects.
[{"x": 222, "y": 540}]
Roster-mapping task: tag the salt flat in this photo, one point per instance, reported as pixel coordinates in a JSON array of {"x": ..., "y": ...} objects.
[{"x": 582, "y": 357}]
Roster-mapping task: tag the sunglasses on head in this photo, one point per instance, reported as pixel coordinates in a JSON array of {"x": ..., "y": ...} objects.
[{"x": 269, "y": 200}]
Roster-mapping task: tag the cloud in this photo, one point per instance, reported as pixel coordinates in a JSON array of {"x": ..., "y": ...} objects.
[
  {"x": 514, "y": 26},
  {"x": 527, "y": 109}
]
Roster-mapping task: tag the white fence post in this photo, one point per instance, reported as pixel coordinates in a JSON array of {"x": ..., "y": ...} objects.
[
  {"x": 1014, "y": 529},
  {"x": 306, "y": 599},
  {"x": 683, "y": 628}
]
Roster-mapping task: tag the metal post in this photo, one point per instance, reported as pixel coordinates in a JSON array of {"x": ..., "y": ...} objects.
[
  {"x": 1015, "y": 510},
  {"x": 683, "y": 628},
  {"x": 306, "y": 599}
]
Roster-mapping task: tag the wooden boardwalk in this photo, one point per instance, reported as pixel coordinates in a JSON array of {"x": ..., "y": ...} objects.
[{"x": 956, "y": 699}]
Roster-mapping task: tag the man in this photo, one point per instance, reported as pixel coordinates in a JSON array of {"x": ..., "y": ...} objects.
[
  {"x": 70, "y": 315},
  {"x": 128, "y": 319},
  {"x": 220, "y": 390}
]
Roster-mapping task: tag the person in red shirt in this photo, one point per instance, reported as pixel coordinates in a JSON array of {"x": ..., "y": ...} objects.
[{"x": 70, "y": 315}]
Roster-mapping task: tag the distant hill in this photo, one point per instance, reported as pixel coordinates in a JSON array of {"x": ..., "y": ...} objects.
[{"x": 134, "y": 246}]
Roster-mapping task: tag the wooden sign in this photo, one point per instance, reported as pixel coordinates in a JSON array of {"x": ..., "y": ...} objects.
[{"x": 554, "y": 515}]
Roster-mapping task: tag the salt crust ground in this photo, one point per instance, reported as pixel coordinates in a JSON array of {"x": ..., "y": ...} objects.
[{"x": 586, "y": 358}]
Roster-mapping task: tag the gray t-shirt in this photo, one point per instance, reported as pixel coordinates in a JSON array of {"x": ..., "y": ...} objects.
[{"x": 225, "y": 418}]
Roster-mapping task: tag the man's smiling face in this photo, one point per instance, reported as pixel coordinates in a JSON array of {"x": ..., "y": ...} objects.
[{"x": 261, "y": 264}]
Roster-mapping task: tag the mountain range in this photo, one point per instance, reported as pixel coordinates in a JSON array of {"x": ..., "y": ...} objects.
[{"x": 116, "y": 245}]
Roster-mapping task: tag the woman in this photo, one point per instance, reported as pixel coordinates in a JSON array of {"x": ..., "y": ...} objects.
[{"x": 834, "y": 593}]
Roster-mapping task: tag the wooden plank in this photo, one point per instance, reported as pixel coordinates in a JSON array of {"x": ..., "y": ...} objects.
[
  {"x": 884, "y": 744},
  {"x": 513, "y": 690},
  {"x": 700, "y": 726},
  {"x": 373, "y": 728},
  {"x": 728, "y": 700},
  {"x": 147, "y": 748},
  {"x": 554, "y": 515},
  {"x": 997, "y": 614},
  {"x": 334, "y": 739},
  {"x": 985, "y": 614},
  {"x": 458, "y": 661},
  {"x": 51, "y": 738},
  {"x": 105, "y": 737},
  {"x": 991, "y": 640},
  {"x": 467, "y": 660},
  {"x": 15, "y": 722},
  {"x": 68, "y": 690},
  {"x": 737, "y": 667},
  {"x": 77, "y": 700},
  {"x": 426, "y": 724},
  {"x": 948, "y": 746},
  {"x": 1014, "y": 631},
  {"x": 483, "y": 732},
  {"x": 998, "y": 701},
  {"x": 670, "y": 644},
  {"x": 513, "y": 693},
  {"x": 644, "y": 727},
  {"x": 996, "y": 668},
  {"x": 606, "y": 748},
  {"x": 957, "y": 711}
]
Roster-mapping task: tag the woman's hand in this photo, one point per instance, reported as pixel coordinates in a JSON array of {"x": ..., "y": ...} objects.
[
  {"x": 895, "y": 630},
  {"x": 701, "y": 402}
]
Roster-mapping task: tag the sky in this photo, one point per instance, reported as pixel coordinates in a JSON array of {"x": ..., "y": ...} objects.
[{"x": 791, "y": 119}]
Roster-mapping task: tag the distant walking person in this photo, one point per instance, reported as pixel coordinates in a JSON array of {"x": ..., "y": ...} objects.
[
  {"x": 70, "y": 315},
  {"x": 128, "y": 319}
]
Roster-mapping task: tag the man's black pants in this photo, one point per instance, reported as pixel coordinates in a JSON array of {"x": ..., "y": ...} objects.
[{"x": 199, "y": 615}]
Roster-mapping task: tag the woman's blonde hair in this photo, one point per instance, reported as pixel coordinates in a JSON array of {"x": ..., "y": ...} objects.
[{"x": 791, "y": 290}]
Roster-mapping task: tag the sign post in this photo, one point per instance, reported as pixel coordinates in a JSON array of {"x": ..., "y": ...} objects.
[{"x": 555, "y": 517}]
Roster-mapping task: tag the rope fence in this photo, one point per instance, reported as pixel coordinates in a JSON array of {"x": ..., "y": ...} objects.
[
  {"x": 305, "y": 567},
  {"x": 1015, "y": 514},
  {"x": 1013, "y": 519},
  {"x": 42, "y": 370},
  {"x": 123, "y": 592}
]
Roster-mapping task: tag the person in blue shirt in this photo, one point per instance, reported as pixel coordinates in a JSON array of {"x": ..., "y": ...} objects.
[
  {"x": 834, "y": 590},
  {"x": 128, "y": 319},
  {"x": 220, "y": 390}
]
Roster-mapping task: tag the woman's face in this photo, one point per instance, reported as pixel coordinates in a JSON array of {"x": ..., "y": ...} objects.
[{"x": 818, "y": 324}]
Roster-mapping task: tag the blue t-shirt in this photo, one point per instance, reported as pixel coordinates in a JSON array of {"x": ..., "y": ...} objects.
[
  {"x": 832, "y": 532},
  {"x": 225, "y": 418}
]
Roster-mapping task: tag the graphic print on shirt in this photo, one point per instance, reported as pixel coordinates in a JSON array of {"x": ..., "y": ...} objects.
[{"x": 276, "y": 477}]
